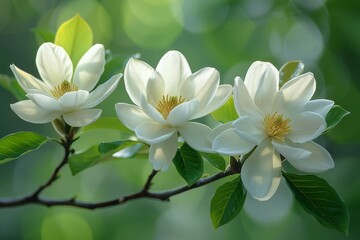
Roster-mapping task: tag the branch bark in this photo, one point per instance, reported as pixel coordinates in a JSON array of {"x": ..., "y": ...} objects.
[{"x": 145, "y": 192}]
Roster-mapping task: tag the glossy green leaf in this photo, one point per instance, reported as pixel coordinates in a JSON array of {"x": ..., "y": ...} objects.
[
  {"x": 117, "y": 146},
  {"x": 75, "y": 36},
  {"x": 290, "y": 70},
  {"x": 226, "y": 113},
  {"x": 44, "y": 34},
  {"x": 17, "y": 144},
  {"x": 319, "y": 199},
  {"x": 216, "y": 160},
  {"x": 227, "y": 202},
  {"x": 102, "y": 152},
  {"x": 189, "y": 164},
  {"x": 80, "y": 161},
  {"x": 11, "y": 85},
  {"x": 334, "y": 116},
  {"x": 106, "y": 123}
]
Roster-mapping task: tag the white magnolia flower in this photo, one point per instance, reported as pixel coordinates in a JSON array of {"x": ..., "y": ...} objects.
[
  {"x": 279, "y": 122},
  {"x": 166, "y": 99},
  {"x": 64, "y": 92}
]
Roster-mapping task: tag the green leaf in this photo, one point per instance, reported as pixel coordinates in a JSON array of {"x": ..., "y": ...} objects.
[
  {"x": 290, "y": 70},
  {"x": 17, "y": 144},
  {"x": 117, "y": 146},
  {"x": 79, "y": 162},
  {"x": 319, "y": 199},
  {"x": 227, "y": 202},
  {"x": 216, "y": 160},
  {"x": 44, "y": 34},
  {"x": 11, "y": 85},
  {"x": 106, "y": 123},
  {"x": 226, "y": 113},
  {"x": 189, "y": 164},
  {"x": 75, "y": 36},
  {"x": 334, "y": 116},
  {"x": 100, "y": 153}
]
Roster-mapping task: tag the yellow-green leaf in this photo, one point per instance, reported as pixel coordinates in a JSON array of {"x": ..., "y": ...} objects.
[
  {"x": 75, "y": 36},
  {"x": 226, "y": 113}
]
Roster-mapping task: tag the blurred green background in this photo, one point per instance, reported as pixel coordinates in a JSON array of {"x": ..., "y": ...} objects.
[{"x": 226, "y": 34}]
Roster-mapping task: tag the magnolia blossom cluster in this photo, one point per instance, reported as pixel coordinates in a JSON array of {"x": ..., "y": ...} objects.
[
  {"x": 274, "y": 123},
  {"x": 63, "y": 91}
]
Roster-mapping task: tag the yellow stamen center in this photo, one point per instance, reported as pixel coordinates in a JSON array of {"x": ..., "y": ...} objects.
[
  {"x": 63, "y": 88},
  {"x": 276, "y": 126},
  {"x": 168, "y": 103}
]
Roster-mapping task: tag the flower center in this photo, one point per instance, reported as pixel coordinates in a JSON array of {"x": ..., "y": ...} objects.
[
  {"x": 276, "y": 126},
  {"x": 168, "y": 103},
  {"x": 63, "y": 88}
]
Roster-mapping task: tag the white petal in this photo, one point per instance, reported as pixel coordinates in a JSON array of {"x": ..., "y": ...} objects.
[
  {"x": 230, "y": 143},
  {"x": 306, "y": 126},
  {"x": 183, "y": 113},
  {"x": 131, "y": 115},
  {"x": 319, "y": 106},
  {"x": 153, "y": 132},
  {"x": 136, "y": 76},
  {"x": 290, "y": 152},
  {"x": 89, "y": 68},
  {"x": 261, "y": 172},
  {"x": 174, "y": 69},
  {"x": 162, "y": 154},
  {"x": 196, "y": 135},
  {"x": 262, "y": 82},
  {"x": 155, "y": 88},
  {"x": 243, "y": 102},
  {"x": 318, "y": 161},
  {"x": 222, "y": 95},
  {"x": 45, "y": 102},
  {"x": 151, "y": 111},
  {"x": 30, "y": 112},
  {"x": 29, "y": 82},
  {"x": 218, "y": 130},
  {"x": 54, "y": 64},
  {"x": 102, "y": 91},
  {"x": 202, "y": 85},
  {"x": 82, "y": 117},
  {"x": 250, "y": 129},
  {"x": 73, "y": 99},
  {"x": 299, "y": 90}
]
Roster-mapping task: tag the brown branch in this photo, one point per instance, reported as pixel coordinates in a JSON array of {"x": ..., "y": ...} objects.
[
  {"x": 35, "y": 198},
  {"x": 144, "y": 193}
]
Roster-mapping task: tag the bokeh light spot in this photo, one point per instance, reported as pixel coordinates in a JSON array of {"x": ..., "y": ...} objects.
[
  {"x": 302, "y": 40},
  {"x": 150, "y": 24},
  {"x": 200, "y": 15},
  {"x": 64, "y": 225}
]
